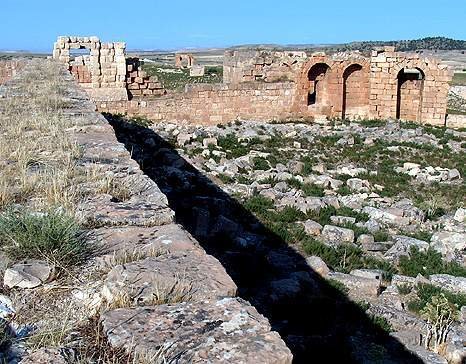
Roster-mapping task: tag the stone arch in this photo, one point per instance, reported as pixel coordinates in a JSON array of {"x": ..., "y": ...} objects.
[
  {"x": 317, "y": 77},
  {"x": 355, "y": 90},
  {"x": 409, "y": 93}
]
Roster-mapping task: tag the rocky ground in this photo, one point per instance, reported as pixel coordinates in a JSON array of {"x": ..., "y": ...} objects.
[{"x": 376, "y": 209}]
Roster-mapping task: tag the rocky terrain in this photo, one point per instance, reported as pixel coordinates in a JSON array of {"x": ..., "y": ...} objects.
[
  {"x": 375, "y": 209},
  {"x": 92, "y": 258},
  {"x": 127, "y": 242}
]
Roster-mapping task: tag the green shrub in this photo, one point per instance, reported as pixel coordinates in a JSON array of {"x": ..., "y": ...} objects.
[
  {"x": 381, "y": 323},
  {"x": 260, "y": 163},
  {"x": 288, "y": 214},
  {"x": 347, "y": 211},
  {"x": 404, "y": 289},
  {"x": 310, "y": 189},
  {"x": 258, "y": 204},
  {"x": 381, "y": 236},
  {"x": 323, "y": 215},
  {"x": 294, "y": 183},
  {"x": 427, "y": 263},
  {"x": 425, "y": 292},
  {"x": 338, "y": 286},
  {"x": 53, "y": 236},
  {"x": 225, "y": 178}
]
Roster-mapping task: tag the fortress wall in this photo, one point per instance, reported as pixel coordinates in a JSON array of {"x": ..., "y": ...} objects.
[{"x": 211, "y": 104}]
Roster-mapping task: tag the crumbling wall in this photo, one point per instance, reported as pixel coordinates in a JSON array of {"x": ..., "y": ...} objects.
[
  {"x": 267, "y": 66},
  {"x": 9, "y": 69},
  {"x": 102, "y": 72},
  {"x": 211, "y": 104},
  {"x": 139, "y": 84}
]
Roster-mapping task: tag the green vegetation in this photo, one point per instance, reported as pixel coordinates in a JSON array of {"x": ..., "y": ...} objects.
[
  {"x": 459, "y": 79},
  {"x": 425, "y": 292},
  {"x": 431, "y": 43},
  {"x": 176, "y": 79},
  {"x": 338, "y": 286},
  {"x": 427, "y": 263},
  {"x": 53, "y": 236},
  {"x": 404, "y": 289},
  {"x": 382, "y": 323},
  {"x": 345, "y": 258},
  {"x": 260, "y": 164}
]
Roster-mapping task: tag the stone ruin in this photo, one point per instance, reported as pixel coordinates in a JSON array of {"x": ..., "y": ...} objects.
[
  {"x": 105, "y": 73},
  {"x": 184, "y": 60},
  {"x": 267, "y": 85}
]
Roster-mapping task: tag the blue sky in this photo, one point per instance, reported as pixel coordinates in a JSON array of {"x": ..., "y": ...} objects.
[{"x": 35, "y": 24}]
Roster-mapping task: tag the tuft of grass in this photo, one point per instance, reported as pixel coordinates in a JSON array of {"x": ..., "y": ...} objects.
[
  {"x": 311, "y": 189},
  {"x": 54, "y": 236},
  {"x": 261, "y": 164},
  {"x": 404, "y": 289},
  {"x": 427, "y": 263},
  {"x": 382, "y": 323}
]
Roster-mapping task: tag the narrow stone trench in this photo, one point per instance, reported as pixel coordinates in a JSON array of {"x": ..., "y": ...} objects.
[{"x": 317, "y": 322}]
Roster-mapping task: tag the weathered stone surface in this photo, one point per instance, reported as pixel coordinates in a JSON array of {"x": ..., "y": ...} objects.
[
  {"x": 448, "y": 243},
  {"x": 195, "y": 276},
  {"x": 460, "y": 215},
  {"x": 357, "y": 285},
  {"x": 227, "y": 330},
  {"x": 101, "y": 211},
  {"x": 318, "y": 265},
  {"x": 312, "y": 227},
  {"x": 403, "y": 245},
  {"x": 448, "y": 282},
  {"x": 29, "y": 274},
  {"x": 338, "y": 235},
  {"x": 117, "y": 242}
]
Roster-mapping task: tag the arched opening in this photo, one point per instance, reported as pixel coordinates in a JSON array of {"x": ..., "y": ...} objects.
[
  {"x": 355, "y": 91},
  {"x": 317, "y": 77},
  {"x": 409, "y": 94}
]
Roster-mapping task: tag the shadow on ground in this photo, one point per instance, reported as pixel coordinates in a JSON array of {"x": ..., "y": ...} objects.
[{"x": 317, "y": 322}]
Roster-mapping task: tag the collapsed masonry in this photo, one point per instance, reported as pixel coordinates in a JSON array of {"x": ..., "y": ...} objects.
[
  {"x": 269, "y": 86},
  {"x": 105, "y": 72}
]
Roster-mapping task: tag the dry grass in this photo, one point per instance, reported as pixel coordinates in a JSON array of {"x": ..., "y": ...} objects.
[
  {"x": 38, "y": 155},
  {"x": 94, "y": 348},
  {"x": 129, "y": 256},
  {"x": 181, "y": 290}
]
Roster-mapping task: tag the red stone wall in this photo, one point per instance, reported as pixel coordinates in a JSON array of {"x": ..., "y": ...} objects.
[{"x": 213, "y": 104}]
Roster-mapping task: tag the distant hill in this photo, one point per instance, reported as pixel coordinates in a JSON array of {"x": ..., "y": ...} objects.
[{"x": 431, "y": 43}]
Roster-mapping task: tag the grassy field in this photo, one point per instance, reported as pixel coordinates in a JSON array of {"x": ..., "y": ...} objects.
[
  {"x": 176, "y": 79},
  {"x": 459, "y": 79}
]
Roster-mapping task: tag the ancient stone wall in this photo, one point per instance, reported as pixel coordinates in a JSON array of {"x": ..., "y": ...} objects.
[
  {"x": 248, "y": 66},
  {"x": 408, "y": 87},
  {"x": 212, "y": 104},
  {"x": 184, "y": 60},
  {"x": 9, "y": 68},
  {"x": 388, "y": 85},
  {"x": 102, "y": 72},
  {"x": 138, "y": 83}
]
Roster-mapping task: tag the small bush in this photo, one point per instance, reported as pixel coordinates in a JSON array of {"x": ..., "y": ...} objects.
[
  {"x": 425, "y": 292},
  {"x": 338, "y": 286},
  {"x": 311, "y": 189},
  {"x": 404, "y": 289},
  {"x": 359, "y": 216},
  {"x": 260, "y": 163},
  {"x": 323, "y": 215},
  {"x": 258, "y": 204},
  {"x": 288, "y": 214},
  {"x": 53, "y": 236},
  {"x": 381, "y": 236},
  {"x": 381, "y": 323},
  {"x": 427, "y": 263}
]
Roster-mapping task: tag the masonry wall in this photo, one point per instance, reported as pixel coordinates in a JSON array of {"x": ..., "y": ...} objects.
[
  {"x": 213, "y": 104},
  {"x": 247, "y": 66},
  {"x": 423, "y": 102},
  {"x": 9, "y": 68}
]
